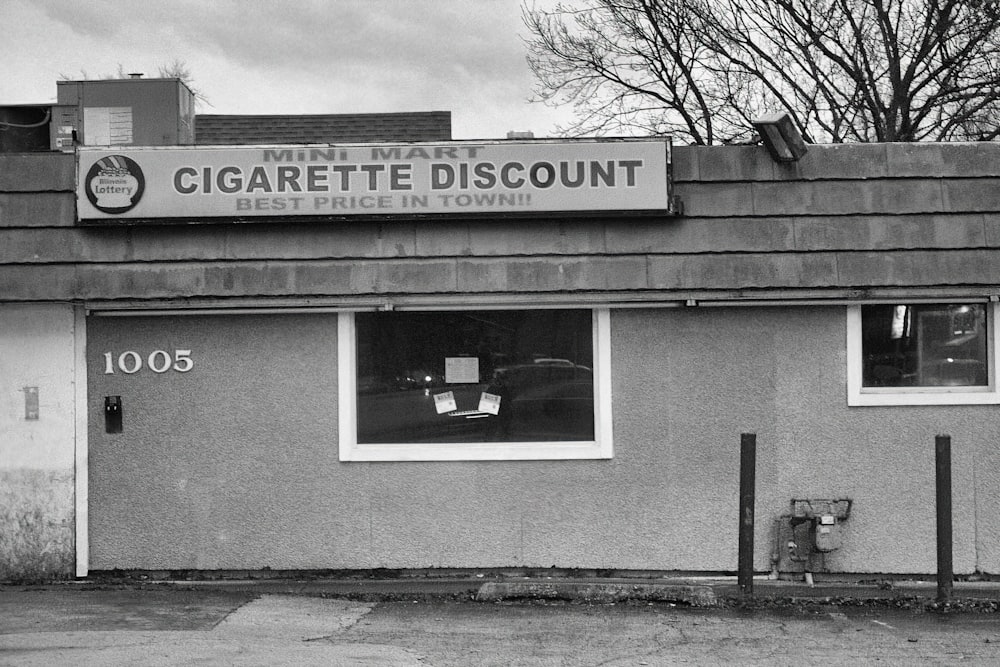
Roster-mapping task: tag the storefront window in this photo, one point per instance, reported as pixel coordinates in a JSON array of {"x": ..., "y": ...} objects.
[
  {"x": 473, "y": 384},
  {"x": 922, "y": 353}
]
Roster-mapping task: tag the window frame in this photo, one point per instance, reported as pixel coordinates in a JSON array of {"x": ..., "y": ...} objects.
[
  {"x": 602, "y": 447},
  {"x": 857, "y": 395}
]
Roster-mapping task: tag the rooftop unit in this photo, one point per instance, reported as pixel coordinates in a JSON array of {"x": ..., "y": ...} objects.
[
  {"x": 160, "y": 112},
  {"x": 114, "y": 112}
]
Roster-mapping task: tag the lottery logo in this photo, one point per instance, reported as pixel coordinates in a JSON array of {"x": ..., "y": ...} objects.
[{"x": 115, "y": 184}]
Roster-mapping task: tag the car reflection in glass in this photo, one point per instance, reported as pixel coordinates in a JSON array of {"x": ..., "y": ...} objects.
[{"x": 418, "y": 379}]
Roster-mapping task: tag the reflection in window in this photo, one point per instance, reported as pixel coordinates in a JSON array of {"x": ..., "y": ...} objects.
[
  {"x": 924, "y": 345},
  {"x": 485, "y": 376}
]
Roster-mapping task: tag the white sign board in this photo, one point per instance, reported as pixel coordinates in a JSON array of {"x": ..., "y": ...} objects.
[
  {"x": 489, "y": 403},
  {"x": 459, "y": 370},
  {"x": 445, "y": 402},
  {"x": 403, "y": 180}
]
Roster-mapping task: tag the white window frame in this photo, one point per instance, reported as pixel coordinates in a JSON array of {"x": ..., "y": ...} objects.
[
  {"x": 602, "y": 447},
  {"x": 859, "y": 395}
]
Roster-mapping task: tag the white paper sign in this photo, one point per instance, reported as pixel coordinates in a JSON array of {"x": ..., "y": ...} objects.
[
  {"x": 445, "y": 402},
  {"x": 459, "y": 370},
  {"x": 489, "y": 403}
]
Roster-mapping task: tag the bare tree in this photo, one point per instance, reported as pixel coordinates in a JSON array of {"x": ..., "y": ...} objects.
[
  {"x": 847, "y": 70},
  {"x": 178, "y": 69}
]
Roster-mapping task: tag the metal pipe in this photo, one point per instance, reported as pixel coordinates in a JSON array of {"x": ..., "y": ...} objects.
[
  {"x": 778, "y": 545},
  {"x": 748, "y": 471},
  {"x": 942, "y": 464}
]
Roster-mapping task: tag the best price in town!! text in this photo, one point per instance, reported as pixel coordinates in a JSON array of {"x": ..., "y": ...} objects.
[{"x": 379, "y": 202}]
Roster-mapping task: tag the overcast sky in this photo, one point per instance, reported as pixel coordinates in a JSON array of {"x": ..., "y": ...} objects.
[{"x": 288, "y": 57}]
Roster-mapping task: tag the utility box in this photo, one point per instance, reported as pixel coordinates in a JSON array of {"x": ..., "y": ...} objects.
[
  {"x": 24, "y": 128},
  {"x": 825, "y": 517},
  {"x": 123, "y": 112},
  {"x": 63, "y": 128},
  {"x": 809, "y": 531},
  {"x": 826, "y": 535}
]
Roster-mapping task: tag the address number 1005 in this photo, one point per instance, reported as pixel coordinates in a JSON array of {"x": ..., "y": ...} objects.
[{"x": 158, "y": 361}]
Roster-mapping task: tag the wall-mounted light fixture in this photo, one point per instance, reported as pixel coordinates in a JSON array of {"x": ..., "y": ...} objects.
[{"x": 781, "y": 138}]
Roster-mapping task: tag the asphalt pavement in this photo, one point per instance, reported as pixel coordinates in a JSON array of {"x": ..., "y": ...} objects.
[{"x": 490, "y": 619}]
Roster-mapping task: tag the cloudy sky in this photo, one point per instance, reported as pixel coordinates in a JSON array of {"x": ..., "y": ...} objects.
[{"x": 291, "y": 56}]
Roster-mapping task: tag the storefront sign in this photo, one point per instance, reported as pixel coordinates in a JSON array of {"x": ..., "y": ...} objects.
[{"x": 383, "y": 180}]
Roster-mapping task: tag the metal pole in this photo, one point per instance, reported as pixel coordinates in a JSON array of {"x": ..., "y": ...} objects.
[
  {"x": 748, "y": 474},
  {"x": 942, "y": 461}
]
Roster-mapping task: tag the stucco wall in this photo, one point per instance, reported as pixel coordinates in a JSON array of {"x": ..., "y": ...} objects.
[
  {"x": 781, "y": 372},
  {"x": 234, "y": 463},
  {"x": 36, "y": 455}
]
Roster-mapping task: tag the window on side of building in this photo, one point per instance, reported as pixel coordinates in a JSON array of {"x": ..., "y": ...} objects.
[
  {"x": 445, "y": 385},
  {"x": 922, "y": 354}
]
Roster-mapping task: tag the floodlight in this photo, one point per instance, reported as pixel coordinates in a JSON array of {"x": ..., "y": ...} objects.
[{"x": 781, "y": 137}]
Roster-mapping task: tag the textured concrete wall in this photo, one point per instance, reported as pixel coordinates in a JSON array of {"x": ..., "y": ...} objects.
[
  {"x": 36, "y": 455},
  {"x": 234, "y": 464}
]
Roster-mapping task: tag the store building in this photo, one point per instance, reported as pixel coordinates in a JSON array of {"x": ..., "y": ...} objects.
[{"x": 363, "y": 354}]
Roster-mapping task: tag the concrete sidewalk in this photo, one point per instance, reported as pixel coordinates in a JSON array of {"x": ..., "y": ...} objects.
[
  {"x": 697, "y": 591},
  {"x": 724, "y": 591},
  {"x": 694, "y": 591}
]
